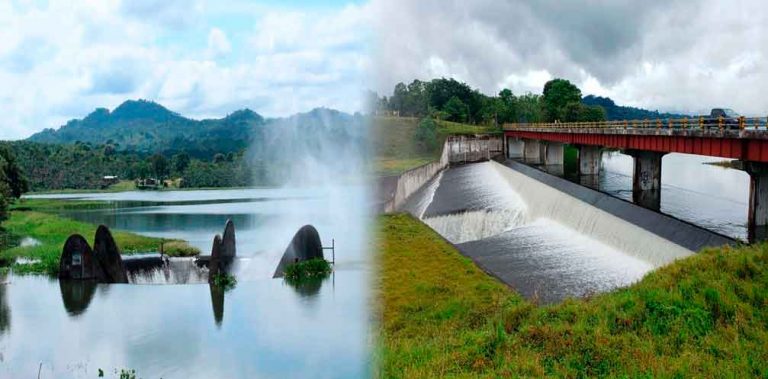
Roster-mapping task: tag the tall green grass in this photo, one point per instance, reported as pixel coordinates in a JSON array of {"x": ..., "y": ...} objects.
[
  {"x": 440, "y": 316},
  {"x": 397, "y": 149},
  {"x": 52, "y": 231}
]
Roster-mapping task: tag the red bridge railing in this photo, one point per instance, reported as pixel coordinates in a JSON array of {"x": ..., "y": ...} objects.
[{"x": 680, "y": 123}]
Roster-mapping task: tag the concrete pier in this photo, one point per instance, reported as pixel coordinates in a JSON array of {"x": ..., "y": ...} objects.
[
  {"x": 515, "y": 148},
  {"x": 532, "y": 151},
  {"x": 554, "y": 153},
  {"x": 589, "y": 160},
  {"x": 646, "y": 178},
  {"x": 757, "y": 222}
]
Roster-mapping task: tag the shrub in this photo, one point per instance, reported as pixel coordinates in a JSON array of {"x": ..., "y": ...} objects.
[{"x": 309, "y": 269}]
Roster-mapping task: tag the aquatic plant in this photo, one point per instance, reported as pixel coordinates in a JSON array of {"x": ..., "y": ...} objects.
[
  {"x": 224, "y": 280},
  {"x": 309, "y": 269}
]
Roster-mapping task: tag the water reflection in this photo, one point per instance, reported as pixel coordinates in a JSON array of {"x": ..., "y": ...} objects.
[
  {"x": 260, "y": 328},
  {"x": 308, "y": 287},
  {"x": 217, "y": 301},
  {"x": 692, "y": 189},
  {"x": 77, "y": 295},
  {"x": 5, "y": 309}
]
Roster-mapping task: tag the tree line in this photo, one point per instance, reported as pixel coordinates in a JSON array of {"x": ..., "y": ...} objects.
[
  {"x": 84, "y": 165},
  {"x": 451, "y": 100},
  {"x": 12, "y": 181}
]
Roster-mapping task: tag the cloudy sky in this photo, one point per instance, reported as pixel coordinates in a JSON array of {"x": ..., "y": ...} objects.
[
  {"x": 670, "y": 55},
  {"x": 60, "y": 59}
]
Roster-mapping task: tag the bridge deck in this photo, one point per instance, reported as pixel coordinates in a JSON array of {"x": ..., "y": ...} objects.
[{"x": 743, "y": 144}]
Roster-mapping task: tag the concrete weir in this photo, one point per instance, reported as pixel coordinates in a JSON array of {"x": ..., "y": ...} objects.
[
  {"x": 654, "y": 237},
  {"x": 547, "y": 237}
]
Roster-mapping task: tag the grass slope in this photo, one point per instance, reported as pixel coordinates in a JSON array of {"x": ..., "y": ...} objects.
[
  {"x": 52, "y": 231},
  {"x": 441, "y": 316},
  {"x": 396, "y": 146}
]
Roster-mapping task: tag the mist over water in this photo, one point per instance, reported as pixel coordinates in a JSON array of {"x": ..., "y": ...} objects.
[{"x": 323, "y": 156}]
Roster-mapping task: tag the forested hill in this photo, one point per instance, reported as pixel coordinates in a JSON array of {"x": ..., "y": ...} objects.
[
  {"x": 618, "y": 112},
  {"x": 146, "y": 127}
]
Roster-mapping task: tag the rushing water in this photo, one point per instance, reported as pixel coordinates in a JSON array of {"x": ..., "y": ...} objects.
[
  {"x": 514, "y": 230},
  {"x": 261, "y": 328}
]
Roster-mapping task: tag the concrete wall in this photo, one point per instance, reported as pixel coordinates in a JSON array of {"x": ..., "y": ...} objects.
[
  {"x": 456, "y": 150},
  {"x": 468, "y": 149}
]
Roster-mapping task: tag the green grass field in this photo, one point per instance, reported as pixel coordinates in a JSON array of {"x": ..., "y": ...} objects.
[
  {"x": 441, "y": 316},
  {"x": 396, "y": 147},
  {"x": 52, "y": 231}
]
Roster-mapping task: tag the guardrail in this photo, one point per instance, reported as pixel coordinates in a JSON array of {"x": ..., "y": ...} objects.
[{"x": 721, "y": 123}]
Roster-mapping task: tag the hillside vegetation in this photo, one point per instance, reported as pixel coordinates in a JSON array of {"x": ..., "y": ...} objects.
[
  {"x": 441, "y": 316},
  {"x": 398, "y": 147},
  {"x": 617, "y": 112},
  {"x": 142, "y": 126},
  {"x": 141, "y": 139}
]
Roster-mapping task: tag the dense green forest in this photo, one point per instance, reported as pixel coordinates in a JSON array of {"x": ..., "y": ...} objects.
[
  {"x": 12, "y": 181},
  {"x": 451, "y": 100},
  {"x": 83, "y": 165},
  {"x": 254, "y": 152},
  {"x": 618, "y": 112},
  {"x": 146, "y": 127}
]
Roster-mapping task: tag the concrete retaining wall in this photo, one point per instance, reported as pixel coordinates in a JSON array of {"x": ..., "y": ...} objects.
[{"x": 456, "y": 150}]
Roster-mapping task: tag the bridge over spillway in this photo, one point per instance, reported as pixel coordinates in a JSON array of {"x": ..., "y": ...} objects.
[{"x": 647, "y": 142}]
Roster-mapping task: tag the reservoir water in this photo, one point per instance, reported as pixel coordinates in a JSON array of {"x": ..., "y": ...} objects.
[
  {"x": 692, "y": 189},
  {"x": 261, "y": 328}
]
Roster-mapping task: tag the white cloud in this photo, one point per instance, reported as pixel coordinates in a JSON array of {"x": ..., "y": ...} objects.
[
  {"x": 669, "y": 55},
  {"x": 218, "y": 43},
  {"x": 62, "y": 60}
]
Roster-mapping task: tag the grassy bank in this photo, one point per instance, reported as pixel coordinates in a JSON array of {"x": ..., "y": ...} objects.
[
  {"x": 396, "y": 145},
  {"x": 703, "y": 316},
  {"x": 51, "y": 231}
]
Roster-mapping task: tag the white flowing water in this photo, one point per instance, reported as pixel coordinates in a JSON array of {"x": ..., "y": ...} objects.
[{"x": 544, "y": 242}]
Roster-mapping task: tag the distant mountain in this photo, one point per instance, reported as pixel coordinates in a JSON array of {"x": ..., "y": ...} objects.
[
  {"x": 147, "y": 127},
  {"x": 618, "y": 112}
]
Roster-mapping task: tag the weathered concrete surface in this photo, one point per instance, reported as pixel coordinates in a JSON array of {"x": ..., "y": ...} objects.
[
  {"x": 589, "y": 160},
  {"x": 646, "y": 178},
  {"x": 468, "y": 149},
  {"x": 108, "y": 255},
  {"x": 554, "y": 153},
  {"x": 532, "y": 151},
  {"x": 78, "y": 261},
  {"x": 412, "y": 180},
  {"x": 515, "y": 148},
  {"x": 757, "y": 224},
  {"x": 305, "y": 245}
]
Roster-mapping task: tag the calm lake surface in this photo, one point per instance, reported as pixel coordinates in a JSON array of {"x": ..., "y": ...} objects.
[
  {"x": 261, "y": 328},
  {"x": 712, "y": 197}
]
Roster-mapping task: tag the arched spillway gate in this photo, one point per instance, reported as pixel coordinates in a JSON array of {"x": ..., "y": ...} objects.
[{"x": 82, "y": 268}]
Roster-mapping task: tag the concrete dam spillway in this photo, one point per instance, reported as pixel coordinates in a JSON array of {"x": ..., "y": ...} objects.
[{"x": 546, "y": 237}]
